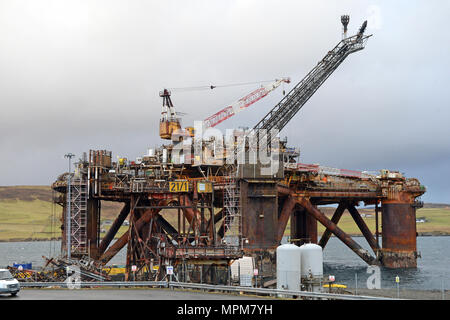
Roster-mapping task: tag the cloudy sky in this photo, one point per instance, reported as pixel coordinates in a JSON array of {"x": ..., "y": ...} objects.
[{"x": 80, "y": 75}]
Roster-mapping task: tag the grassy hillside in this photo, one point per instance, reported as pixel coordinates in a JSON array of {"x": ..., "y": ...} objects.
[
  {"x": 437, "y": 221},
  {"x": 26, "y": 212}
]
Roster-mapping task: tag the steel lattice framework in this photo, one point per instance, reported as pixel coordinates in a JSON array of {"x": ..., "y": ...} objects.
[{"x": 286, "y": 109}]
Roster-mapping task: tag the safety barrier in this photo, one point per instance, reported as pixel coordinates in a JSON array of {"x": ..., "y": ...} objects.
[{"x": 275, "y": 293}]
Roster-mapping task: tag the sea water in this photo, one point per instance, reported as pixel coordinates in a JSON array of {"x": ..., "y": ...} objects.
[{"x": 432, "y": 272}]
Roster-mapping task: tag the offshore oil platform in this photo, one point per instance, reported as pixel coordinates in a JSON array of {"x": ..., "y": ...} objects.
[{"x": 197, "y": 203}]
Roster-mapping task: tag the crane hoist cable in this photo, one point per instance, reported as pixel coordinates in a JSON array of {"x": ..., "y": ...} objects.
[
  {"x": 210, "y": 87},
  {"x": 170, "y": 123}
]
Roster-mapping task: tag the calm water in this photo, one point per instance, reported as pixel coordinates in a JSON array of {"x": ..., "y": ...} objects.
[
  {"x": 432, "y": 268},
  {"x": 432, "y": 271}
]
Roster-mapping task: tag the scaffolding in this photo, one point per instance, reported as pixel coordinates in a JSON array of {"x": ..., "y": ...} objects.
[
  {"x": 78, "y": 216},
  {"x": 231, "y": 205}
]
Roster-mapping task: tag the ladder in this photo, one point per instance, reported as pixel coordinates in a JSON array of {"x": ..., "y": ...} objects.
[{"x": 78, "y": 216}]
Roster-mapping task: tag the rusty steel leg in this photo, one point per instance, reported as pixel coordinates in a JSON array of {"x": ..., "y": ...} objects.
[
  {"x": 335, "y": 219},
  {"x": 283, "y": 218},
  {"x": 364, "y": 229},
  {"x": 114, "y": 228},
  {"x": 345, "y": 238},
  {"x": 93, "y": 226},
  {"x": 298, "y": 225},
  {"x": 303, "y": 226},
  {"x": 311, "y": 228},
  {"x": 399, "y": 235}
]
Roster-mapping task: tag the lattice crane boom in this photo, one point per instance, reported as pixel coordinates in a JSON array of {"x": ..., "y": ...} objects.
[
  {"x": 242, "y": 103},
  {"x": 286, "y": 109}
]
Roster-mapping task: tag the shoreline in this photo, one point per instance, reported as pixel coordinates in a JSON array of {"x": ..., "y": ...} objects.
[{"x": 420, "y": 234}]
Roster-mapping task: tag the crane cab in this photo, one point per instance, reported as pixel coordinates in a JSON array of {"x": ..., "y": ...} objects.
[{"x": 168, "y": 127}]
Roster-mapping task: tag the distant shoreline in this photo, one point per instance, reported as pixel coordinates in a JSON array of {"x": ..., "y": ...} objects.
[{"x": 420, "y": 234}]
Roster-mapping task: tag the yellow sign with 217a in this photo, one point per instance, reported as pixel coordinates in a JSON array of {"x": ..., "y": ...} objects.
[{"x": 179, "y": 186}]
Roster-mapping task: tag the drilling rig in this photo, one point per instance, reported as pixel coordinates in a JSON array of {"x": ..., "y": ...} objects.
[{"x": 199, "y": 216}]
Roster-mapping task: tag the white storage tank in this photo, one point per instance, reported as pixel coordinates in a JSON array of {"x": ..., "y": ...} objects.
[
  {"x": 288, "y": 267},
  {"x": 311, "y": 260},
  {"x": 242, "y": 271}
]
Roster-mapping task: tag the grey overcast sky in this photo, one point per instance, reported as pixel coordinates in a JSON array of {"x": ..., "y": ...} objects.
[{"x": 85, "y": 74}]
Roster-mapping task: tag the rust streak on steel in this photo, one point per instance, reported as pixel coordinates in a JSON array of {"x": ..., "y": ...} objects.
[
  {"x": 335, "y": 219},
  {"x": 288, "y": 206},
  {"x": 344, "y": 237},
  {"x": 114, "y": 228},
  {"x": 364, "y": 229}
]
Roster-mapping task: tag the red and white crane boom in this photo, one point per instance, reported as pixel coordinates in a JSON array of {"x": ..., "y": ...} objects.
[{"x": 242, "y": 103}]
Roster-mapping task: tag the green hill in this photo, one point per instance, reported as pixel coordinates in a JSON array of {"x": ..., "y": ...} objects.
[{"x": 27, "y": 213}]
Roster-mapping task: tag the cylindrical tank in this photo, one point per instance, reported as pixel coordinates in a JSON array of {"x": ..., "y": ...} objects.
[
  {"x": 288, "y": 267},
  {"x": 311, "y": 261}
]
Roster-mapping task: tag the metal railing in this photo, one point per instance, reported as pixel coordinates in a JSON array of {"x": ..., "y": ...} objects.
[
  {"x": 68, "y": 284},
  {"x": 274, "y": 293}
]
